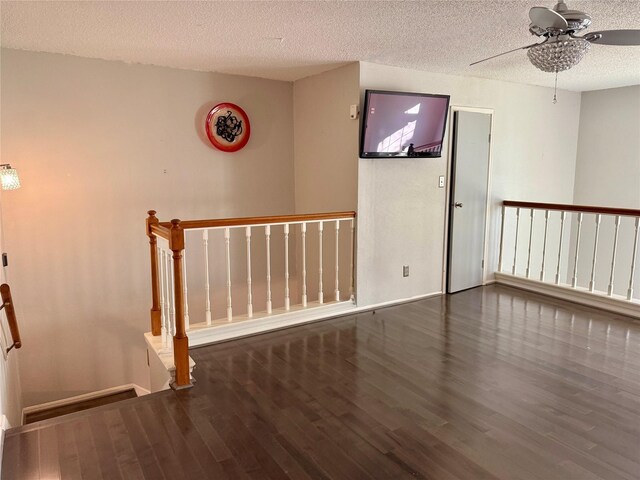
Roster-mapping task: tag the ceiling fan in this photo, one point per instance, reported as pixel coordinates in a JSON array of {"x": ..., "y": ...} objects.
[{"x": 561, "y": 49}]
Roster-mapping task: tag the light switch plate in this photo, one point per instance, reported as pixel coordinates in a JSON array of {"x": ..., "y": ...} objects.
[{"x": 441, "y": 181}]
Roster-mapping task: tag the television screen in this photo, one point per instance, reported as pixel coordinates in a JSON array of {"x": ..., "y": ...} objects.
[{"x": 399, "y": 124}]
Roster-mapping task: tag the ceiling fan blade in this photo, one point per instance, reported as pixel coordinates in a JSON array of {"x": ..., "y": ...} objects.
[
  {"x": 544, "y": 17},
  {"x": 614, "y": 37},
  {"x": 504, "y": 53}
]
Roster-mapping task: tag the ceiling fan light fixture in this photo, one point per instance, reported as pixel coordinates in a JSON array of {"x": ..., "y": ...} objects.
[{"x": 559, "y": 54}]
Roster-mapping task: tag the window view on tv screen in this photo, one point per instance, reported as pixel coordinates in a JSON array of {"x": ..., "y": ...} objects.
[{"x": 398, "y": 124}]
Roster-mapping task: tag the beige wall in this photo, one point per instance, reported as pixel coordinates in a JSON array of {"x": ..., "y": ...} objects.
[
  {"x": 401, "y": 210},
  {"x": 97, "y": 144},
  {"x": 326, "y": 168},
  {"x": 10, "y": 391},
  {"x": 10, "y": 387},
  {"x": 326, "y": 140}
]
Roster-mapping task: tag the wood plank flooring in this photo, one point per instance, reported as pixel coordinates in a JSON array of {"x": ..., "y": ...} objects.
[{"x": 490, "y": 383}]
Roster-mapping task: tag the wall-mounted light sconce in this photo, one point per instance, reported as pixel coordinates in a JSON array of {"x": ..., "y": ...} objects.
[{"x": 9, "y": 177}]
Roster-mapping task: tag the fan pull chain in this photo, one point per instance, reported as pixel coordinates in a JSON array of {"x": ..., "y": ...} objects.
[{"x": 555, "y": 89}]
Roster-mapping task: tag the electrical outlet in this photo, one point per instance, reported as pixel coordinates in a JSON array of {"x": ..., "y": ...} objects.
[
  {"x": 441, "y": 181},
  {"x": 405, "y": 270}
]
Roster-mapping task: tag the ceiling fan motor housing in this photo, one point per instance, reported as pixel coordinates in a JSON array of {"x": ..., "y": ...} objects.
[{"x": 577, "y": 20}]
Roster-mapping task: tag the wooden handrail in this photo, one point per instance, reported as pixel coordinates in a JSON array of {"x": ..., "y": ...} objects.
[
  {"x": 234, "y": 222},
  {"x": 7, "y": 304},
  {"x": 629, "y": 212},
  {"x": 160, "y": 230}
]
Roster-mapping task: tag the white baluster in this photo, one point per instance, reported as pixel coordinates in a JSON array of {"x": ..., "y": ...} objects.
[
  {"x": 303, "y": 234},
  {"x": 353, "y": 254},
  {"x": 249, "y": 296},
  {"x": 227, "y": 236},
  {"x": 184, "y": 289},
  {"x": 168, "y": 278},
  {"x": 592, "y": 282},
  {"x": 337, "y": 259},
  {"x": 172, "y": 297},
  {"x": 502, "y": 213},
  {"x": 267, "y": 234},
  {"x": 544, "y": 244},
  {"x": 574, "y": 280},
  {"x": 613, "y": 255},
  {"x": 287, "y": 301},
  {"x": 320, "y": 294},
  {"x": 163, "y": 298},
  {"x": 207, "y": 292},
  {"x": 562, "y": 217},
  {"x": 515, "y": 247},
  {"x": 633, "y": 261},
  {"x": 533, "y": 212}
]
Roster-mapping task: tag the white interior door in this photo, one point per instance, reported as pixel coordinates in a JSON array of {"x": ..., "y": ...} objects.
[{"x": 467, "y": 218}]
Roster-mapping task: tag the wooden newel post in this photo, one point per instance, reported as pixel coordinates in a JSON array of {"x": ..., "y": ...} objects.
[
  {"x": 180, "y": 340},
  {"x": 155, "y": 282}
]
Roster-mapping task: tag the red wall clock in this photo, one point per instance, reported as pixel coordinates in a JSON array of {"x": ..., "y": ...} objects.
[{"x": 228, "y": 127}]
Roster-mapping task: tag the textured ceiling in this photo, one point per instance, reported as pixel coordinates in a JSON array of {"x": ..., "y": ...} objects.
[{"x": 291, "y": 40}]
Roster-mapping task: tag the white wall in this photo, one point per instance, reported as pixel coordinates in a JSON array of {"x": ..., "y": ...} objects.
[
  {"x": 608, "y": 160},
  {"x": 608, "y": 175},
  {"x": 401, "y": 210},
  {"x": 97, "y": 144}
]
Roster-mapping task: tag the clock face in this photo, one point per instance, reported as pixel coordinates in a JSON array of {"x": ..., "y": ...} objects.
[{"x": 228, "y": 127}]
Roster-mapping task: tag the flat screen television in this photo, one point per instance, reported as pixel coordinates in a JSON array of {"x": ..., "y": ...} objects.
[{"x": 401, "y": 124}]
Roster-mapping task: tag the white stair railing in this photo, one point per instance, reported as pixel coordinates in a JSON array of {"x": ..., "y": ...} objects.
[
  {"x": 582, "y": 251},
  {"x": 286, "y": 230},
  {"x": 298, "y": 226}
]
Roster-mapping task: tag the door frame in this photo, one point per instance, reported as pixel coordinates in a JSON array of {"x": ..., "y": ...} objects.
[{"x": 449, "y": 185}]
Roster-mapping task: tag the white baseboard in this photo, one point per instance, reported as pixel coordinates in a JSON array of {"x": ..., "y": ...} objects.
[
  {"x": 614, "y": 303},
  {"x": 201, "y": 334},
  {"x": 81, "y": 398},
  {"x": 391, "y": 303}
]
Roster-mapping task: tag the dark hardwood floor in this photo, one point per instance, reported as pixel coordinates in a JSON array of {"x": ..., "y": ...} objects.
[{"x": 490, "y": 383}]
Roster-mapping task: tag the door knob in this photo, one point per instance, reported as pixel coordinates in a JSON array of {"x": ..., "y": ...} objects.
[{"x": 458, "y": 204}]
